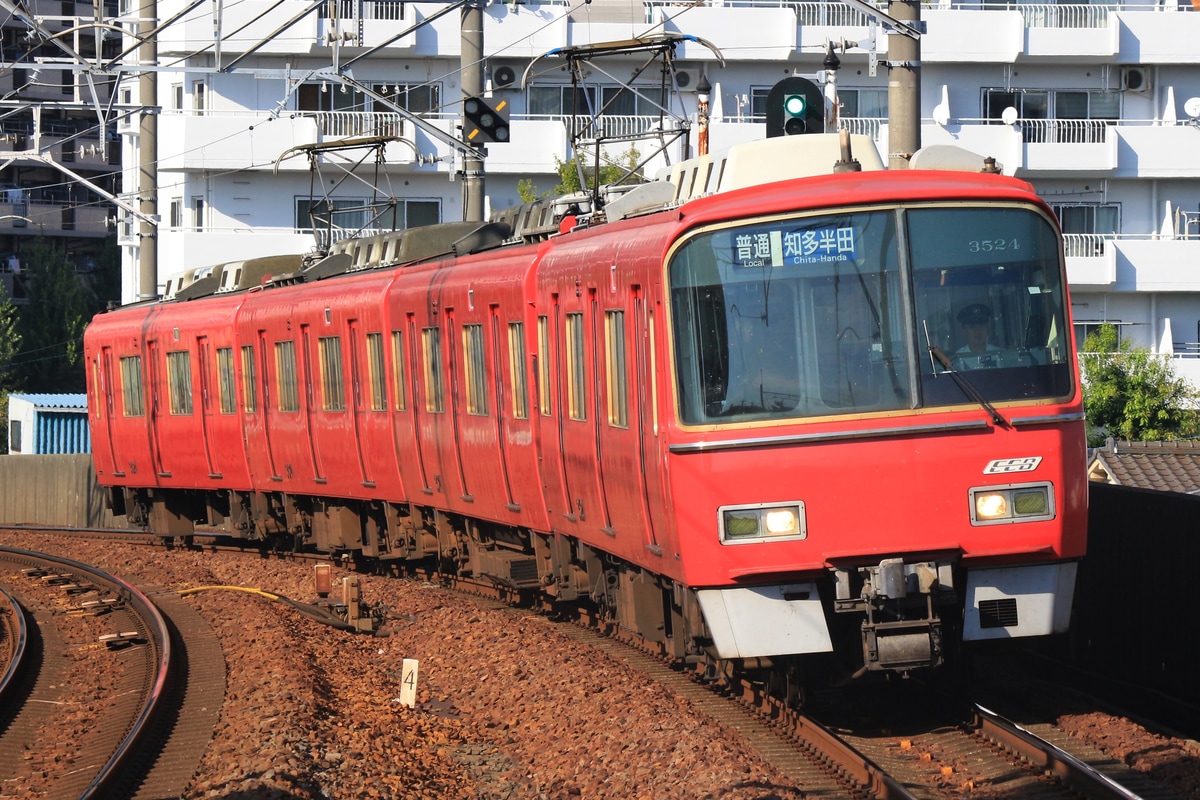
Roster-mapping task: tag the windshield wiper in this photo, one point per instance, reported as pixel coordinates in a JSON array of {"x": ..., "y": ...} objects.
[{"x": 967, "y": 387}]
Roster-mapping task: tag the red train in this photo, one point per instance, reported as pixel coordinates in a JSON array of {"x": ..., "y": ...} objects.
[{"x": 835, "y": 414}]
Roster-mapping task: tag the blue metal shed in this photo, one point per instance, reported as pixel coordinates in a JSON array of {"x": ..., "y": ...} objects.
[{"x": 44, "y": 424}]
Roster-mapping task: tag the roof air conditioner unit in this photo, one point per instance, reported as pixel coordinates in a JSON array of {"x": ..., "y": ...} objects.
[
  {"x": 503, "y": 76},
  {"x": 1135, "y": 79},
  {"x": 686, "y": 79}
]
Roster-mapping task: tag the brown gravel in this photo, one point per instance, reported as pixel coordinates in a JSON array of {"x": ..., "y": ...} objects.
[
  {"x": 1175, "y": 762},
  {"x": 507, "y": 707}
]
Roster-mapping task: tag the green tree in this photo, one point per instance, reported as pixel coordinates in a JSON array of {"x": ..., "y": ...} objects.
[
  {"x": 1131, "y": 394},
  {"x": 10, "y": 343},
  {"x": 568, "y": 176},
  {"x": 59, "y": 305}
]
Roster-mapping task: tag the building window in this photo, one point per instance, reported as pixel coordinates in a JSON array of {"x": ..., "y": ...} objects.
[
  {"x": 868, "y": 103},
  {"x": 176, "y": 213},
  {"x": 197, "y": 213},
  {"x": 418, "y": 98},
  {"x": 576, "y": 383},
  {"x": 285, "y": 375},
  {"x": 177, "y": 96},
  {"x": 132, "y": 398},
  {"x": 179, "y": 381},
  {"x": 614, "y": 352},
  {"x": 516, "y": 370},
  {"x": 375, "y": 368},
  {"x": 225, "y": 382},
  {"x": 249, "y": 389},
  {"x": 1062, "y": 116},
  {"x": 398, "y": 370},
  {"x": 199, "y": 96},
  {"x": 432, "y": 350}
]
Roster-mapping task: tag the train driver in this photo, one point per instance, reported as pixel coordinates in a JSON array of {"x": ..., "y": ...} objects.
[{"x": 975, "y": 320}]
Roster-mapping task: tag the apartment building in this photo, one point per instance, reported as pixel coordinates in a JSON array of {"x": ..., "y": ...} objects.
[
  {"x": 52, "y": 133},
  {"x": 1092, "y": 103}
]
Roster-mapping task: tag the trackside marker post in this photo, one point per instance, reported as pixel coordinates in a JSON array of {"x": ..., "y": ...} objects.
[{"x": 408, "y": 682}]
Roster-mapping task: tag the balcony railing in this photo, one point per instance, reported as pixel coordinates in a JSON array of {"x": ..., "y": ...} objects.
[
  {"x": 1085, "y": 245},
  {"x": 606, "y": 126},
  {"x": 341, "y": 124},
  {"x": 864, "y": 126},
  {"x": 1039, "y": 15}
]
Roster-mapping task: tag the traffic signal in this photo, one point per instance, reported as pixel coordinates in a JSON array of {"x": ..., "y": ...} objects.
[
  {"x": 482, "y": 123},
  {"x": 795, "y": 106}
]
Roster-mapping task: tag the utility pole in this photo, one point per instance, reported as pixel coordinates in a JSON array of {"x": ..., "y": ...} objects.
[
  {"x": 147, "y": 152},
  {"x": 904, "y": 85},
  {"x": 472, "y": 86}
]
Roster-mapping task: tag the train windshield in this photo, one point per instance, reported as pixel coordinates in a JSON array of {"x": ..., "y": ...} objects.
[{"x": 866, "y": 311}]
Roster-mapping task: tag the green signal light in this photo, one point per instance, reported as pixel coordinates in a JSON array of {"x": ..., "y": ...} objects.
[{"x": 794, "y": 104}]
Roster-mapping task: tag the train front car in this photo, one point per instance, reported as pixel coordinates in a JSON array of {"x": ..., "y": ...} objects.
[{"x": 879, "y": 449}]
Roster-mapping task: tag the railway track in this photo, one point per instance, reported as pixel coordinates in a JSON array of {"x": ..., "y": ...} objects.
[
  {"x": 90, "y": 684},
  {"x": 935, "y": 754}
]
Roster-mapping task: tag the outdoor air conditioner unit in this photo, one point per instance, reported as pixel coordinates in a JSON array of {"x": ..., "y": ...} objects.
[
  {"x": 686, "y": 79},
  {"x": 503, "y": 76},
  {"x": 1135, "y": 79}
]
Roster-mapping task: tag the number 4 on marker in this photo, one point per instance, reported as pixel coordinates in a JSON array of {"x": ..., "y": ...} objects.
[{"x": 408, "y": 683}]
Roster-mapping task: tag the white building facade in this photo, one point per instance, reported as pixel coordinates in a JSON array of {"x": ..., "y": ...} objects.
[{"x": 1090, "y": 103}]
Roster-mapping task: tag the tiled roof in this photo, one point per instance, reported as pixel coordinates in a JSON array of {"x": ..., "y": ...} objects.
[
  {"x": 1163, "y": 466},
  {"x": 54, "y": 400}
]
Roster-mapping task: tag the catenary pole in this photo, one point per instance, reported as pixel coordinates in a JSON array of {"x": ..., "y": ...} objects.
[{"x": 472, "y": 86}]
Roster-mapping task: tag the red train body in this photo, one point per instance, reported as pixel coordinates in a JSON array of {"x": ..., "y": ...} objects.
[{"x": 741, "y": 425}]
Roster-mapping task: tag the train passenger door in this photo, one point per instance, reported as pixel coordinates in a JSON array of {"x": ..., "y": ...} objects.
[
  {"x": 499, "y": 334},
  {"x": 579, "y": 421},
  {"x": 154, "y": 367},
  {"x": 105, "y": 380},
  {"x": 452, "y": 370},
  {"x": 307, "y": 380},
  {"x": 645, "y": 391},
  {"x": 204, "y": 352},
  {"x": 264, "y": 352},
  {"x": 621, "y": 450},
  {"x": 358, "y": 411}
]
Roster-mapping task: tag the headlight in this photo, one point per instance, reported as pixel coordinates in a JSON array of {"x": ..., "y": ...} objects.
[
  {"x": 759, "y": 523},
  {"x": 1014, "y": 503}
]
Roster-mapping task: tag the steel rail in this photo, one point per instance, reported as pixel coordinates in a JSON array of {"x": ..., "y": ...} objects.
[{"x": 159, "y": 638}]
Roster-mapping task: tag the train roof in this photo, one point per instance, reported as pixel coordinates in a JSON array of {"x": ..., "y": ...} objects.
[{"x": 737, "y": 176}]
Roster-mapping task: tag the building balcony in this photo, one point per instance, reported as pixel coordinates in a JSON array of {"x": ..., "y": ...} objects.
[
  {"x": 255, "y": 140},
  {"x": 1133, "y": 263},
  {"x": 53, "y": 219}
]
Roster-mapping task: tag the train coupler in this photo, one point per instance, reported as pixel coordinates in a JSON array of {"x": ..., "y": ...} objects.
[{"x": 903, "y": 645}]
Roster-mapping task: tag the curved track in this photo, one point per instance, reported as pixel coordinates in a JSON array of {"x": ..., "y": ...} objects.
[
  {"x": 96, "y": 677},
  {"x": 930, "y": 749}
]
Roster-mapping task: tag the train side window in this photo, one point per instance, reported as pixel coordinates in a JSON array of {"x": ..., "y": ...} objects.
[
  {"x": 544, "y": 366},
  {"x": 398, "y": 368},
  {"x": 516, "y": 370},
  {"x": 133, "y": 396},
  {"x": 475, "y": 367},
  {"x": 225, "y": 383},
  {"x": 614, "y": 352},
  {"x": 431, "y": 341},
  {"x": 179, "y": 381},
  {"x": 375, "y": 368},
  {"x": 333, "y": 393},
  {"x": 576, "y": 394},
  {"x": 249, "y": 390},
  {"x": 285, "y": 375}
]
